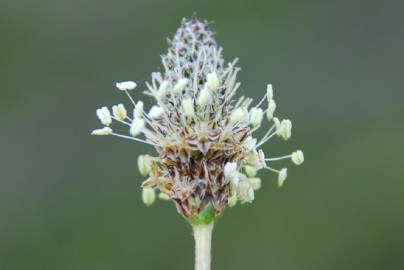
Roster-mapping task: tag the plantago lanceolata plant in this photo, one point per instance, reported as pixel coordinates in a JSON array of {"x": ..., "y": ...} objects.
[{"x": 207, "y": 152}]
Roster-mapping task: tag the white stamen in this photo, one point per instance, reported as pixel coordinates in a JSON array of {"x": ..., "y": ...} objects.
[
  {"x": 126, "y": 86},
  {"x": 255, "y": 182},
  {"x": 137, "y": 126},
  {"x": 102, "y": 131},
  {"x": 119, "y": 112},
  {"x": 270, "y": 92},
  {"x": 277, "y": 123},
  {"x": 283, "y": 174},
  {"x": 231, "y": 173},
  {"x": 250, "y": 143},
  {"x": 271, "y": 109},
  {"x": 256, "y": 116},
  {"x": 163, "y": 196},
  {"x": 285, "y": 130},
  {"x": 156, "y": 112},
  {"x": 237, "y": 115},
  {"x": 245, "y": 191},
  {"x": 251, "y": 171},
  {"x": 261, "y": 158},
  {"x": 297, "y": 157},
  {"x": 143, "y": 163},
  {"x": 232, "y": 200},
  {"x": 138, "y": 110},
  {"x": 104, "y": 115},
  {"x": 148, "y": 196}
]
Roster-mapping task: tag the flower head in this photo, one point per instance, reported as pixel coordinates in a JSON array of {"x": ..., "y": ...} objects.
[{"x": 208, "y": 153}]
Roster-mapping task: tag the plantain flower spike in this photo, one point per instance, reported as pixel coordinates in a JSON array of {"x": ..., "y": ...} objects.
[{"x": 207, "y": 149}]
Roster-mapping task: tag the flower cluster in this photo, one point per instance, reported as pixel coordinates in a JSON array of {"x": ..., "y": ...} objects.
[{"x": 204, "y": 135}]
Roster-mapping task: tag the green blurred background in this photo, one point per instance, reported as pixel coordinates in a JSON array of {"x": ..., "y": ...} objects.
[{"x": 72, "y": 201}]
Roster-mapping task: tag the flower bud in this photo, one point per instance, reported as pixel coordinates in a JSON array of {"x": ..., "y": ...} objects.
[
  {"x": 102, "y": 131},
  {"x": 148, "y": 196},
  {"x": 188, "y": 107},
  {"x": 163, "y": 89},
  {"x": 204, "y": 97},
  {"x": 125, "y": 86},
  {"x": 104, "y": 115},
  {"x": 180, "y": 86},
  {"x": 119, "y": 112},
  {"x": 212, "y": 81},
  {"x": 297, "y": 157}
]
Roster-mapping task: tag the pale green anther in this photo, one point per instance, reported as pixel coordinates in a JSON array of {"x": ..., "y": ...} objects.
[
  {"x": 256, "y": 116},
  {"x": 285, "y": 130},
  {"x": 104, "y": 115},
  {"x": 102, "y": 131},
  {"x": 245, "y": 191},
  {"x": 237, "y": 115},
  {"x": 143, "y": 163},
  {"x": 297, "y": 157},
  {"x": 270, "y": 92},
  {"x": 148, "y": 196},
  {"x": 119, "y": 112},
  {"x": 255, "y": 182},
  {"x": 232, "y": 200},
  {"x": 271, "y": 109},
  {"x": 283, "y": 174},
  {"x": 163, "y": 196},
  {"x": 137, "y": 126},
  {"x": 251, "y": 171},
  {"x": 138, "y": 110}
]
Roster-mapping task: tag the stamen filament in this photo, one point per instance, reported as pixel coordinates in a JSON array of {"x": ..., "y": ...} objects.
[
  {"x": 130, "y": 97},
  {"x": 133, "y": 138},
  {"x": 278, "y": 158}
]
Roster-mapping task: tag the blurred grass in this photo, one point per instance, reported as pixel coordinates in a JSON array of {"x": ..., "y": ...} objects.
[{"x": 71, "y": 201}]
